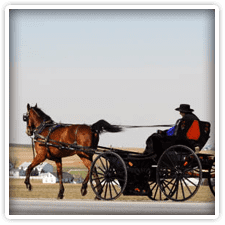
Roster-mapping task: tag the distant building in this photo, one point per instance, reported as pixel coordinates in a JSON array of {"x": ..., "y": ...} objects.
[
  {"x": 78, "y": 181},
  {"x": 14, "y": 172},
  {"x": 51, "y": 177},
  {"x": 43, "y": 171},
  {"x": 38, "y": 170}
]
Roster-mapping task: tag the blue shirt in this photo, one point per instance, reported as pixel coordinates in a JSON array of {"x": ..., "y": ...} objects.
[{"x": 171, "y": 131}]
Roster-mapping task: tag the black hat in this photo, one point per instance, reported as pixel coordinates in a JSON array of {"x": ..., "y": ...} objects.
[{"x": 184, "y": 108}]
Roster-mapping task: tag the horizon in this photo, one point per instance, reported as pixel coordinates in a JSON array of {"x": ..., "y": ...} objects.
[{"x": 206, "y": 147}]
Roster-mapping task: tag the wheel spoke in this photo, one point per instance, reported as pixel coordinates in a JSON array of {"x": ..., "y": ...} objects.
[
  {"x": 187, "y": 186},
  {"x": 102, "y": 164},
  {"x": 155, "y": 185},
  {"x": 169, "y": 182},
  {"x": 182, "y": 189},
  {"x": 101, "y": 170},
  {"x": 191, "y": 182},
  {"x": 100, "y": 183},
  {"x": 106, "y": 163},
  {"x": 106, "y": 189},
  {"x": 160, "y": 194},
  {"x": 167, "y": 186},
  {"x": 115, "y": 189},
  {"x": 97, "y": 178},
  {"x": 99, "y": 173},
  {"x": 156, "y": 191}
]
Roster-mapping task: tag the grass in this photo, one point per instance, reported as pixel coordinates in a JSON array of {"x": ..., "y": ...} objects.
[
  {"x": 81, "y": 173},
  {"x": 17, "y": 189}
]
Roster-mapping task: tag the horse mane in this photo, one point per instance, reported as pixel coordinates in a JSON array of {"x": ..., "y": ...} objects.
[{"x": 42, "y": 114}]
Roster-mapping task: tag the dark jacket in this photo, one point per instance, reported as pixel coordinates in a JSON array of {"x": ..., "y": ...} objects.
[
  {"x": 190, "y": 116},
  {"x": 187, "y": 116}
]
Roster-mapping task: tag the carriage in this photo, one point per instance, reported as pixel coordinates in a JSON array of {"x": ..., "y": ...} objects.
[{"x": 176, "y": 173}]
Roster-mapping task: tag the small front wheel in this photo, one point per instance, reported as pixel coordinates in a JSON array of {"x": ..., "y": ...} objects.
[{"x": 108, "y": 176}]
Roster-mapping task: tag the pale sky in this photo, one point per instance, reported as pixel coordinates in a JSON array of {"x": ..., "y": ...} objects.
[{"x": 129, "y": 67}]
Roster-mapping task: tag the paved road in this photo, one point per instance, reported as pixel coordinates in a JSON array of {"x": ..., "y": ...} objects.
[{"x": 68, "y": 207}]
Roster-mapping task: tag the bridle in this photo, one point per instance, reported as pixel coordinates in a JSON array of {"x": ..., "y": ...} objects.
[
  {"x": 26, "y": 117},
  {"x": 35, "y": 130}
]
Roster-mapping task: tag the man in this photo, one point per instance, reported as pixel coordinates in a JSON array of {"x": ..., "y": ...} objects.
[
  {"x": 186, "y": 113},
  {"x": 156, "y": 142}
]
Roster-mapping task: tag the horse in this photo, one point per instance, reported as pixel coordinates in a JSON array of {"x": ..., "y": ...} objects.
[{"x": 46, "y": 130}]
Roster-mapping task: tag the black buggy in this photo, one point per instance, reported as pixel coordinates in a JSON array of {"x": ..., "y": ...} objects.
[{"x": 175, "y": 174}]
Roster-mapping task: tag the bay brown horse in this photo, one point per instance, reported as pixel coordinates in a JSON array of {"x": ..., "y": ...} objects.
[{"x": 38, "y": 123}]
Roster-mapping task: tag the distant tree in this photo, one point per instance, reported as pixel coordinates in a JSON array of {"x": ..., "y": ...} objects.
[{"x": 14, "y": 160}]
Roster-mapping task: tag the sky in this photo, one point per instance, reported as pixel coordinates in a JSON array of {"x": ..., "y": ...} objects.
[{"x": 129, "y": 67}]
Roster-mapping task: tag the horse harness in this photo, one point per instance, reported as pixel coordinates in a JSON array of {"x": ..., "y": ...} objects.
[{"x": 52, "y": 126}]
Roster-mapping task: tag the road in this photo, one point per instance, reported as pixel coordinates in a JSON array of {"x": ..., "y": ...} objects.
[{"x": 77, "y": 207}]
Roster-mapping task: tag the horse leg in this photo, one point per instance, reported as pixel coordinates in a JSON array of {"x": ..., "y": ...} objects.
[
  {"x": 59, "y": 174},
  {"x": 95, "y": 141},
  {"x": 87, "y": 162},
  {"x": 99, "y": 186},
  {"x": 36, "y": 161}
]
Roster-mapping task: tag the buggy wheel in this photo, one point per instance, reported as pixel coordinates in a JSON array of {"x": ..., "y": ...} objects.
[
  {"x": 156, "y": 194},
  {"x": 211, "y": 178},
  {"x": 179, "y": 173},
  {"x": 108, "y": 176}
]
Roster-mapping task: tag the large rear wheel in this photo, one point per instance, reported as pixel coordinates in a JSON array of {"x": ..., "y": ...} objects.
[{"x": 179, "y": 173}]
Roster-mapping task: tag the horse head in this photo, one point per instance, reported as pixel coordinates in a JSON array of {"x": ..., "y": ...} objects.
[{"x": 33, "y": 119}]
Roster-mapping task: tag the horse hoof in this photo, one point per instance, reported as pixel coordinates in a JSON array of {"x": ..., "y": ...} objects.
[
  {"x": 83, "y": 191},
  {"x": 60, "y": 197},
  {"x": 29, "y": 187},
  {"x": 97, "y": 198}
]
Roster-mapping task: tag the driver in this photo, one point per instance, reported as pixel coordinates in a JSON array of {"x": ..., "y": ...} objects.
[
  {"x": 154, "y": 142},
  {"x": 186, "y": 113}
]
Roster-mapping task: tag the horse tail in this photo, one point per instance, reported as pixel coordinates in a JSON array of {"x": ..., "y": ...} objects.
[{"x": 102, "y": 126}]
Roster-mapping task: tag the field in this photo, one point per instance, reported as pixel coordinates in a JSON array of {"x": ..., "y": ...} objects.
[{"x": 17, "y": 189}]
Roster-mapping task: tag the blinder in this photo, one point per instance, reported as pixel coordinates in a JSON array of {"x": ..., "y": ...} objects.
[{"x": 25, "y": 117}]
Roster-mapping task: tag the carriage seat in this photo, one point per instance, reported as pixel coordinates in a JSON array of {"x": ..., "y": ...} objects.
[{"x": 193, "y": 133}]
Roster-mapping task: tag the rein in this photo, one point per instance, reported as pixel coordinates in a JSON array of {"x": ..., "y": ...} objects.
[
  {"x": 32, "y": 142},
  {"x": 131, "y": 126}
]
